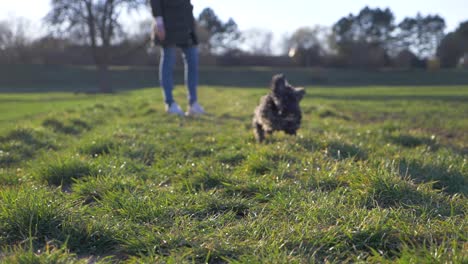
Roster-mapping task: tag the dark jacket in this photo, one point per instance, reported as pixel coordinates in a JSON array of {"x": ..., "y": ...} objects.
[{"x": 179, "y": 22}]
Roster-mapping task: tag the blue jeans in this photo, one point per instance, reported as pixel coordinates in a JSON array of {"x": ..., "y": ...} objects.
[{"x": 166, "y": 71}]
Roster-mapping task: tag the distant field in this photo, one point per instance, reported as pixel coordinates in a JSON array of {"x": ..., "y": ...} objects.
[
  {"x": 14, "y": 107},
  {"x": 377, "y": 174},
  {"x": 41, "y": 78}
]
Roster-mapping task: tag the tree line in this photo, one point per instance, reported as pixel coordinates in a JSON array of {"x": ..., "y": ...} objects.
[
  {"x": 373, "y": 39},
  {"x": 92, "y": 32}
]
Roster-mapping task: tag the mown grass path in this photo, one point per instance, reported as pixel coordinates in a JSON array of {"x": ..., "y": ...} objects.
[{"x": 376, "y": 174}]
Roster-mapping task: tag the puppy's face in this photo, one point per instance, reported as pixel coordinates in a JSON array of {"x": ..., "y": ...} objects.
[{"x": 285, "y": 96}]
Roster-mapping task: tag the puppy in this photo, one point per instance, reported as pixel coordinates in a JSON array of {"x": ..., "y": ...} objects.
[{"x": 279, "y": 110}]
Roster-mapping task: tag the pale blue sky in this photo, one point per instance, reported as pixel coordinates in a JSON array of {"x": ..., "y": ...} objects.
[{"x": 281, "y": 16}]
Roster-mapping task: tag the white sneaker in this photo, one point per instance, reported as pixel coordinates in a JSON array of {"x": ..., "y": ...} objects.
[
  {"x": 174, "y": 109},
  {"x": 195, "y": 109}
]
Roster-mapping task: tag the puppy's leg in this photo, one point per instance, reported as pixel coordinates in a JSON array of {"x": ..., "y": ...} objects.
[
  {"x": 291, "y": 132},
  {"x": 259, "y": 132}
]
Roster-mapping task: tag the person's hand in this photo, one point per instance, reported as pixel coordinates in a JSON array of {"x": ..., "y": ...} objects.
[{"x": 158, "y": 28}]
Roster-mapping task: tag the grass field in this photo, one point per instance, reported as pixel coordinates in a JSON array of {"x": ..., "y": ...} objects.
[{"x": 376, "y": 174}]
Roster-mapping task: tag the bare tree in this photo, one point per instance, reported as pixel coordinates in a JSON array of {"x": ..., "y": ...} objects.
[
  {"x": 98, "y": 22},
  {"x": 258, "y": 41},
  {"x": 6, "y": 35},
  {"x": 308, "y": 45},
  {"x": 15, "y": 39}
]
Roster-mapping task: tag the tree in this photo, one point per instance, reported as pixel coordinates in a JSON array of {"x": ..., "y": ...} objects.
[
  {"x": 406, "y": 59},
  {"x": 454, "y": 46},
  {"x": 230, "y": 38},
  {"x": 210, "y": 25},
  {"x": 363, "y": 40},
  {"x": 373, "y": 26},
  {"x": 5, "y": 35},
  {"x": 15, "y": 40},
  {"x": 223, "y": 37},
  {"x": 210, "y": 21},
  {"x": 258, "y": 41},
  {"x": 420, "y": 34},
  {"x": 308, "y": 45},
  {"x": 98, "y": 21}
]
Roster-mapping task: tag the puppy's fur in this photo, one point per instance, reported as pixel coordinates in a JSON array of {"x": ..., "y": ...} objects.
[{"x": 279, "y": 110}]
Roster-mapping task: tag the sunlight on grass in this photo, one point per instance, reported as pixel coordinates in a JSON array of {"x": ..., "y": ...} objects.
[{"x": 375, "y": 175}]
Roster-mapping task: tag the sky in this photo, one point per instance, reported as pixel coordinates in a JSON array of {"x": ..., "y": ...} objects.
[{"x": 280, "y": 17}]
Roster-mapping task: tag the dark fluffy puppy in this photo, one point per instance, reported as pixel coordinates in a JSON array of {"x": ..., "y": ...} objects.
[{"x": 279, "y": 110}]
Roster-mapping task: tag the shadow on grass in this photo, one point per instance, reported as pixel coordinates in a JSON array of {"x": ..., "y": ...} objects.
[
  {"x": 21, "y": 144},
  {"x": 144, "y": 153},
  {"x": 217, "y": 207},
  {"x": 41, "y": 217},
  {"x": 258, "y": 192},
  {"x": 328, "y": 113},
  {"x": 329, "y": 243},
  {"x": 397, "y": 193},
  {"x": 64, "y": 172},
  {"x": 76, "y": 127},
  {"x": 218, "y": 255},
  {"x": 341, "y": 151},
  {"x": 409, "y": 141},
  {"x": 412, "y": 141},
  {"x": 204, "y": 182},
  {"x": 308, "y": 144},
  {"x": 231, "y": 158},
  {"x": 99, "y": 147},
  {"x": 449, "y": 181}
]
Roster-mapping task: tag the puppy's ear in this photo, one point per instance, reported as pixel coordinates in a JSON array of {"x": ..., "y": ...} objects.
[
  {"x": 278, "y": 83},
  {"x": 299, "y": 92}
]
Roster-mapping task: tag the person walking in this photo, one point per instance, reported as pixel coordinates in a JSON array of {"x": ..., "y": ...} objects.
[{"x": 174, "y": 27}]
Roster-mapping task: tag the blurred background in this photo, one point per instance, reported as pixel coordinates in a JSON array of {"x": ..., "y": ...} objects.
[{"x": 318, "y": 43}]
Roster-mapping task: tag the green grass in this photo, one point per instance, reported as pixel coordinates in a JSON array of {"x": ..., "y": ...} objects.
[
  {"x": 375, "y": 175},
  {"x": 15, "y": 106}
]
